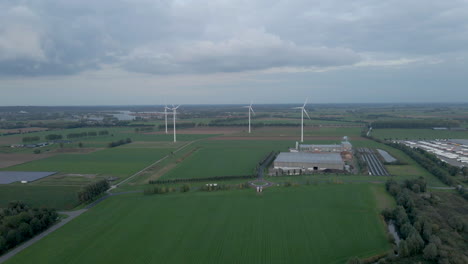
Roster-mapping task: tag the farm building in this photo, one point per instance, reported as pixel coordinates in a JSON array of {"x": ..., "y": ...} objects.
[
  {"x": 335, "y": 148},
  {"x": 308, "y": 162}
]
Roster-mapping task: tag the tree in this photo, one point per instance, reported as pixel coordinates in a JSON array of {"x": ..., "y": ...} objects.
[
  {"x": 403, "y": 249},
  {"x": 354, "y": 260},
  {"x": 53, "y": 137},
  {"x": 400, "y": 215},
  {"x": 430, "y": 252},
  {"x": 415, "y": 243},
  {"x": 80, "y": 145},
  {"x": 25, "y": 230},
  {"x": 36, "y": 225},
  {"x": 3, "y": 244}
]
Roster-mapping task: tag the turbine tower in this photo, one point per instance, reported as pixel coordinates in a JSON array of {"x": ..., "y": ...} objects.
[
  {"x": 250, "y": 110},
  {"x": 303, "y": 111},
  {"x": 174, "y": 111}
]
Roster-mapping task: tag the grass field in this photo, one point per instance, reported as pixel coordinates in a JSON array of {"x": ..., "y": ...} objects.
[
  {"x": 225, "y": 158},
  {"x": 326, "y": 224},
  {"x": 418, "y": 134},
  {"x": 62, "y": 197},
  {"x": 120, "y": 162}
]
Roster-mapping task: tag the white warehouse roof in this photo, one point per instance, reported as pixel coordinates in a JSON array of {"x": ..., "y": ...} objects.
[{"x": 329, "y": 158}]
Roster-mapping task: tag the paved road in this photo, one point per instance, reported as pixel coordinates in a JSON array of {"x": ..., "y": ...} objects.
[
  {"x": 260, "y": 172},
  {"x": 71, "y": 215}
]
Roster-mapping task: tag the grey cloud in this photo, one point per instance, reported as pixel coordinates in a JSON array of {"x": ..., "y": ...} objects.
[
  {"x": 166, "y": 37},
  {"x": 251, "y": 50}
]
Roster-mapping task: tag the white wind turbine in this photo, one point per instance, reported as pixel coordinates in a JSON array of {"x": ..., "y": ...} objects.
[
  {"x": 250, "y": 110},
  {"x": 174, "y": 111},
  {"x": 303, "y": 111}
]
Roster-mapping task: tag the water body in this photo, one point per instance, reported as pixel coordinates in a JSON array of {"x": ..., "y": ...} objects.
[
  {"x": 392, "y": 230},
  {"x": 124, "y": 116}
]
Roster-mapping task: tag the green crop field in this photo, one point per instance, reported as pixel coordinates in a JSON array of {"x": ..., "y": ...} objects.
[
  {"x": 306, "y": 224},
  {"x": 225, "y": 158},
  {"x": 120, "y": 162},
  {"x": 395, "y": 133},
  {"x": 61, "y": 197}
]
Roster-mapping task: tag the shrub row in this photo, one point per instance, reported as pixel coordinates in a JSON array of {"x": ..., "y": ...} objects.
[
  {"x": 93, "y": 190},
  {"x": 121, "y": 142}
]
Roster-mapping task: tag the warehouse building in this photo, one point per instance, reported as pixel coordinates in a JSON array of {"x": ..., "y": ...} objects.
[
  {"x": 305, "y": 162},
  {"x": 334, "y": 148}
]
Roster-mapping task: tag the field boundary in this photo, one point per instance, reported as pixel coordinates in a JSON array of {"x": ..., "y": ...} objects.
[{"x": 151, "y": 165}]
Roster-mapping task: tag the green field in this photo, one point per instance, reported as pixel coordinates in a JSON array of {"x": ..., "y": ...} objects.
[
  {"x": 225, "y": 158},
  {"x": 404, "y": 134},
  {"x": 120, "y": 162},
  {"x": 306, "y": 224},
  {"x": 61, "y": 197}
]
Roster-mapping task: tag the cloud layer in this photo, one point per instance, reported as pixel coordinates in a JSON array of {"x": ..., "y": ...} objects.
[{"x": 53, "y": 37}]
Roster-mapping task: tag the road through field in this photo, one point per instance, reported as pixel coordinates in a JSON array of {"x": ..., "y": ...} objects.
[{"x": 73, "y": 214}]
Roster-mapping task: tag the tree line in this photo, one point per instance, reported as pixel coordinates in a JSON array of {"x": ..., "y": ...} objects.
[
  {"x": 428, "y": 161},
  {"x": 52, "y": 137},
  {"x": 414, "y": 123},
  {"x": 19, "y": 222},
  {"x": 88, "y": 134},
  {"x": 121, "y": 142},
  {"x": 93, "y": 190},
  {"x": 31, "y": 139},
  {"x": 180, "y": 125},
  {"x": 144, "y": 129},
  {"x": 421, "y": 227}
]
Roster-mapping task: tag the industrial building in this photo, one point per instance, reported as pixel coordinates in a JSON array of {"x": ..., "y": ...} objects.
[
  {"x": 310, "y": 158},
  {"x": 304, "y": 162},
  {"x": 345, "y": 146}
]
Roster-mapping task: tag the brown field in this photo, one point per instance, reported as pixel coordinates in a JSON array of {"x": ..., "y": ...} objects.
[
  {"x": 7, "y": 160},
  {"x": 10, "y": 140},
  {"x": 23, "y": 130},
  {"x": 204, "y": 131}
]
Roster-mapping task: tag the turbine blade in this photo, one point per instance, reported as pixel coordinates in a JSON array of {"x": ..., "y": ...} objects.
[
  {"x": 251, "y": 109},
  {"x": 298, "y": 107},
  {"x": 177, "y": 106},
  {"x": 305, "y": 112},
  {"x": 307, "y": 99}
]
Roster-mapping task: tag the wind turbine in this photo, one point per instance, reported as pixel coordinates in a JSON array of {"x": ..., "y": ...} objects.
[
  {"x": 165, "y": 114},
  {"x": 303, "y": 111},
  {"x": 250, "y": 110},
  {"x": 174, "y": 111}
]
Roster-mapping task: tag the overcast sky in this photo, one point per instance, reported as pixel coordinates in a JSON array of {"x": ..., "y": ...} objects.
[{"x": 113, "y": 52}]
